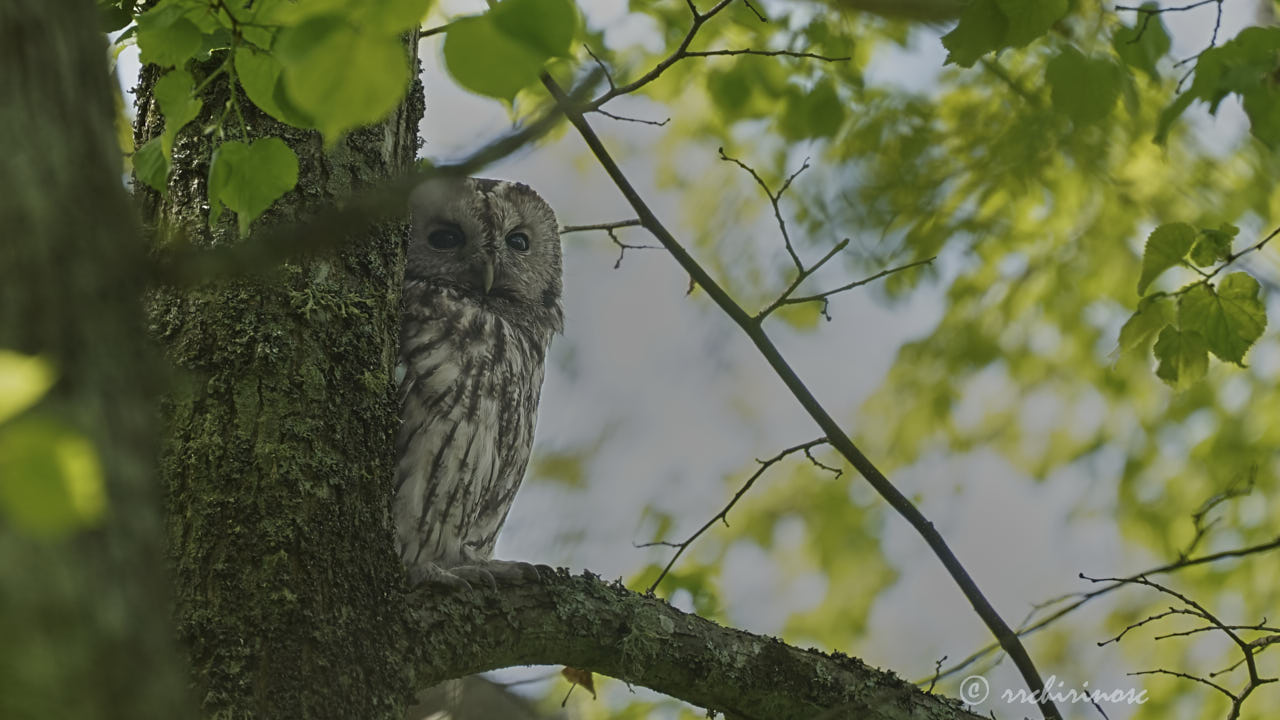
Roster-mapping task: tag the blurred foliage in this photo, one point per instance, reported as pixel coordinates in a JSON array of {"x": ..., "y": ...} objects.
[{"x": 50, "y": 480}]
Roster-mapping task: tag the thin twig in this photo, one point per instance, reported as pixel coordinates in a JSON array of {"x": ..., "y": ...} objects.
[
  {"x": 1256, "y": 247},
  {"x": 610, "y": 228},
  {"x": 624, "y": 118},
  {"x": 1185, "y": 676},
  {"x": 433, "y": 31},
  {"x": 723, "y": 515},
  {"x": 683, "y": 52},
  {"x": 824, "y": 296},
  {"x": 773, "y": 200},
  {"x": 600, "y": 63},
  {"x": 937, "y": 670},
  {"x": 1247, "y": 648},
  {"x": 800, "y": 278},
  {"x": 1160, "y": 10},
  {"x": 1082, "y": 598},
  {"x": 633, "y": 222},
  {"x": 767, "y": 53}
]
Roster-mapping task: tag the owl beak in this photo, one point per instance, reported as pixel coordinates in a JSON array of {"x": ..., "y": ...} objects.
[{"x": 485, "y": 271}]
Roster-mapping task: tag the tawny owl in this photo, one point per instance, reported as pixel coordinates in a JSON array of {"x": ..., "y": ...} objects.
[{"x": 481, "y": 304}]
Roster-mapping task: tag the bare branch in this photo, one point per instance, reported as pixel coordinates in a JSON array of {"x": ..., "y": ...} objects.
[
  {"x": 683, "y": 52},
  {"x": 1144, "y": 621},
  {"x": 756, "y": 12},
  {"x": 610, "y": 229},
  {"x": 1185, "y": 676},
  {"x": 773, "y": 200},
  {"x": 1256, "y": 247},
  {"x": 1247, "y": 649},
  {"x": 624, "y": 118},
  {"x": 600, "y": 226},
  {"x": 823, "y": 296},
  {"x": 767, "y": 53},
  {"x": 1241, "y": 486},
  {"x": 833, "y": 431},
  {"x": 433, "y": 31},
  {"x": 1160, "y": 10},
  {"x": 1080, "y": 599},
  {"x": 723, "y": 515},
  {"x": 600, "y": 63},
  {"x": 800, "y": 278}
]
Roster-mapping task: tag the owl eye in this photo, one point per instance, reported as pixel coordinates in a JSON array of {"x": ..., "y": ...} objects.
[
  {"x": 445, "y": 239},
  {"x": 518, "y": 241}
]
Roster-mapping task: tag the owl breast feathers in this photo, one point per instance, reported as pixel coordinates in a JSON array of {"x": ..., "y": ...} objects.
[{"x": 481, "y": 304}]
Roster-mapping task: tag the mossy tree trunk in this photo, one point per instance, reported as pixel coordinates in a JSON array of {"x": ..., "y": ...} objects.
[
  {"x": 82, "y": 616},
  {"x": 278, "y": 434}
]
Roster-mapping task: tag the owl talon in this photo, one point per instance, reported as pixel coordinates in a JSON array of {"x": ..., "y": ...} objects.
[
  {"x": 438, "y": 576},
  {"x": 476, "y": 575},
  {"x": 490, "y": 572}
]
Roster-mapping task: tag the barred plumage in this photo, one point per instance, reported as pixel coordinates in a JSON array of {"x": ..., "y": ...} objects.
[{"x": 481, "y": 304}]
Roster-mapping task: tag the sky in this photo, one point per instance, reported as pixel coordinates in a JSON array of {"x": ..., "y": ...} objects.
[{"x": 677, "y": 402}]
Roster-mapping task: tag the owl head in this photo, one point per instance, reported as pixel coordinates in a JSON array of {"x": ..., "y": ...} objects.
[{"x": 493, "y": 242}]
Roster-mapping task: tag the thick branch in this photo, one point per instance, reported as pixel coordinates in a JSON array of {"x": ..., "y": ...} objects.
[{"x": 586, "y": 623}]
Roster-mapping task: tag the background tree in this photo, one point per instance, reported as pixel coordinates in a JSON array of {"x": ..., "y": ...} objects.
[{"x": 1031, "y": 176}]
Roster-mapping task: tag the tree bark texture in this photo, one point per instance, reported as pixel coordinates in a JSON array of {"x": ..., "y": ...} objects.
[
  {"x": 278, "y": 435},
  {"x": 583, "y": 622},
  {"x": 84, "y": 619}
]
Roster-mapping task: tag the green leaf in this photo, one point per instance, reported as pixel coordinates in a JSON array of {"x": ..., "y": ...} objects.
[
  {"x": 50, "y": 480},
  {"x": 1084, "y": 89},
  {"x": 1171, "y": 113},
  {"x": 166, "y": 37},
  {"x": 487, "y": 61},
  {"x": 1167, "y": 245},
  {"x": 1245, "y": 65},
  {"x": 340, "y": 75},
  {"x": 1153, "y": 314},
  {"x": 1213, "y": 245},
  {"x": 826, "y": 112},
  {"x": 988, "y": 25},
  {"x": 547, "y": 27},
  {"x": 1183, "y": 357},
  {"x": 259, "y": 72},
  {"x": 1145, "y": 50},
  {"x": 1230, "y": 319},
  {"x": 811, "y": 114},
  {"x": 151, "y": 164},
  {"x": 1262, "y": 105},
  {"x": 982, "y": 29},
  {"x": 729, "y": 89},
  {"x": 1029, "y": 19},
  {"x": 112, "y": 17},
  {"x": 392, "y": 16},
  {"x": 174, "y": 92},
  {"x": 248, "y": 178},
  {"x": 24, "y": 379}
]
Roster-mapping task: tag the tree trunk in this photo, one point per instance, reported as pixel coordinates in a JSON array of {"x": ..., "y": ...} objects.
[
  {"x": 84, "y": 617},
  {"x": 277, "y": 447}
]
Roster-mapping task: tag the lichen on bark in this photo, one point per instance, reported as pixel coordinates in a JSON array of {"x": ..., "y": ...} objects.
[{"x": 276, "y": 456}]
